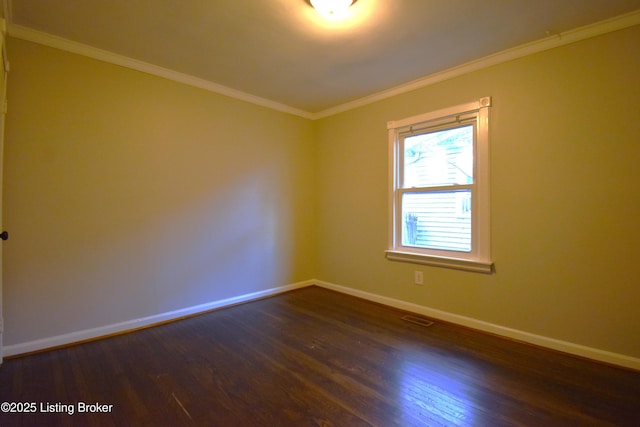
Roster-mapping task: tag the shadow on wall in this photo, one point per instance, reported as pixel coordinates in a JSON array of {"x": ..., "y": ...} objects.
[{"x": 196, "y": 248}]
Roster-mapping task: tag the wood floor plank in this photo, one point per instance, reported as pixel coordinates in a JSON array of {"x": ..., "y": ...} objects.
[{"x": 315, "y": 357}]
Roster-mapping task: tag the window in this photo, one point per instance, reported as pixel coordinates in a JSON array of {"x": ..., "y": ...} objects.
[{"x": 439, "y": 188}]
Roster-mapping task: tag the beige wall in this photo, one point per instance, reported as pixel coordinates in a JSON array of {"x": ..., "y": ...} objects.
[
  {"x": 128, "y": 195},
  {"x": 565, "y": 153}
]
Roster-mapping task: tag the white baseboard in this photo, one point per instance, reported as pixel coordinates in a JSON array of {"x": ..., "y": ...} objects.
[
  {"x": 129, "y": 325},
  {"x": 552, "y": 343}
]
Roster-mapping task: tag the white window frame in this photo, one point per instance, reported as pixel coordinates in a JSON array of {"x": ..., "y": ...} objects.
[{"x": 479, "y": 258}]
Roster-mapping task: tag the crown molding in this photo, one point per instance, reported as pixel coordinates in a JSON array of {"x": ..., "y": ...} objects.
[
  {"x": 550, "y": 42},
  {"x": 28, "y": 34}
]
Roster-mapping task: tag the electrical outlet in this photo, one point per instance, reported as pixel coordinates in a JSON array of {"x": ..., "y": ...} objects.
[{"x": 417, "y": 277}]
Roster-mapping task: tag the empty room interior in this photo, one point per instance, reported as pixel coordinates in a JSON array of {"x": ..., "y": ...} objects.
[{"x": 223, "y": 211}]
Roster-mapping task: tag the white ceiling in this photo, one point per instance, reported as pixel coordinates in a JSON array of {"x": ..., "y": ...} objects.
[{"x": 283, "y": 51}]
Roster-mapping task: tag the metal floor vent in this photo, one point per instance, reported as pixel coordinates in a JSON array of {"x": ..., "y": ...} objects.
[{"x": 417, "y": 320}]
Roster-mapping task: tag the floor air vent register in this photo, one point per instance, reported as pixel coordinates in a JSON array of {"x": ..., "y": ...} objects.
[{"x": 417, "y": 320}]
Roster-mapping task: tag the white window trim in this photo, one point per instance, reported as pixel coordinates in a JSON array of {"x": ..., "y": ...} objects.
[{"x": 479, "y": 259}]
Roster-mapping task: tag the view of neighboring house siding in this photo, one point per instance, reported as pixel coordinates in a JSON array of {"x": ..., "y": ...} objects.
[{"x": 438, "y": 219}]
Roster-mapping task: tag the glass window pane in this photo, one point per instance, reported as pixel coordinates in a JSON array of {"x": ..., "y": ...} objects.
[
  {"x": 444, "y": 157},
  {"x": 437, "y": 220}
]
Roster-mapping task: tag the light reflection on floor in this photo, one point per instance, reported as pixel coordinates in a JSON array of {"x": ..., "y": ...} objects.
[{"x": 430, "y": 398}]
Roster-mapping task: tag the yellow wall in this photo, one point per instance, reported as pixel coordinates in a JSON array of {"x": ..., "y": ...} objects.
[
  {"x": 565, "y": 154},
  {"x": 129, "y": 195}
]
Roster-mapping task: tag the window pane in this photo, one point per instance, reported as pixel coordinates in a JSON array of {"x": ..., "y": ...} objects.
[
  {"x": 437, "y": 220},
  {"x": 443, "y": 157}
]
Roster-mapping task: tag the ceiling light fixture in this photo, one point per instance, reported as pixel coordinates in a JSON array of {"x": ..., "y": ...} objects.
[{"x": 332, "y": 9}]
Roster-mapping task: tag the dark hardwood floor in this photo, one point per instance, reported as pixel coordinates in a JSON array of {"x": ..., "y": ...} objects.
[{"x": 314, "y": 357}]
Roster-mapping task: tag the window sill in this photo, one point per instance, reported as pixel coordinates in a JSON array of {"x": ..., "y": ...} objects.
[{"x": 436, "y": 261}]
